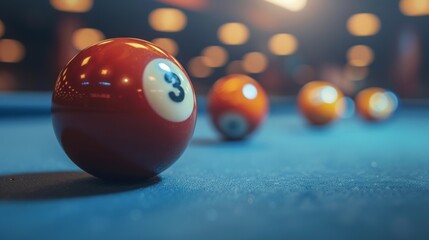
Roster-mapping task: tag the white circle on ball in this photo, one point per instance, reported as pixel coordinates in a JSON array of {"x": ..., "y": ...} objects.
[
  {"x": 168, "y": 90},
  {"x": 233, "y": 125}
]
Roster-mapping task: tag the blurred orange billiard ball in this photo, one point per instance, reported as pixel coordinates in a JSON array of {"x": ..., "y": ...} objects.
[
  {"x": 376, "y": 104},
  {"x": 321, "y": 102},
  {"x": 237, "y": 105}
]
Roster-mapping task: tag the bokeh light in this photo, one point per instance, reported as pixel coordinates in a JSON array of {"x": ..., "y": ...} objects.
[
  {"x": 360, "y": 56},
  {"x": 255, "y": 62},
  {"x": 77, "y": 6},
  {"x": 2, "y": 28},
  {"x": 215, "y": 56},
  {"x": 188, "y": 4},
  {"x": 283, "y": 44},
  {"x": 353, "y": 73},
  {"x": 11, "y": 51},
  {"x": 233, "y": 33},
  {"x": 85, "y": 37},
  {"x": 414, "y": 7},
  {"x": 198, "y": 69},
  {"x": 291, "y": 5},
  {"x": 167, "y": 20},
  {"x": 167, "y": 44},
  {"x": 363, "y": 24},
  {"x": 235, "y": 67}
]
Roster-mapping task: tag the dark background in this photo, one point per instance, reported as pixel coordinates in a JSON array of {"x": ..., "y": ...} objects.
[{"x": 320, "y": 28}]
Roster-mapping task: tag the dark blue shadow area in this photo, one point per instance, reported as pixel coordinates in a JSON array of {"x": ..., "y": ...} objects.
[{"x": 57, "y": 185}]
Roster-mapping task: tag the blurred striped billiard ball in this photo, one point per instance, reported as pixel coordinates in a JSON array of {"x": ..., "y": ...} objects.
[
  {"x": 237, "y": 105},
  {"x": 376, "y": 104},
  {"x": 321, "y": 102}
]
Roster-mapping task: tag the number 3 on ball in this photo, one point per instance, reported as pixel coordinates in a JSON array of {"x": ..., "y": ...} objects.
[{"x": 171, "y": 77}]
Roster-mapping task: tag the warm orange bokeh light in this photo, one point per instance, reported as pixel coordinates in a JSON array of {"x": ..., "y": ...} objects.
[
  {"x": 167, "y": 44},
  {"x": 283, "y": 44},
  {"x": 188, "y": 4},
  {"x": 11, "y": 51},
  {"x": 360, "y": 56},
  {"x": 235, "y": 67},
  {"x": 414, "y": 7},
  {"x": 85, "y": 37},
  {"x": 233, "y": 33},
  {"x": 363, "y": 24},
  {"x": 198, "y": 69},
  {"x": 215, "y": 56},
  {"x": 255, "y": 62},
  {"x": 167, "y": 20},
  {"x": 72, "y": 5}
]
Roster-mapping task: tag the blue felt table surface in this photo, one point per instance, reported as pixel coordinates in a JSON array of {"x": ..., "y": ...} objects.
[{"x": 351, "y": 180}]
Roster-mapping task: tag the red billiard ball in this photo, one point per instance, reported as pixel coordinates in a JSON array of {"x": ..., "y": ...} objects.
[
  {"x": 321, "y": 102},
  {"x": 376, "y": 104},
  {"x": 123, "y": 109},
  {"x": 237, "y": 105}
]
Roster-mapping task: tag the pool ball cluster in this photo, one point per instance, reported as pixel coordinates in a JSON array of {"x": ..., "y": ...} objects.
[
  {"x": 322, "y": 103},
  {"x": 125, "y": 109}
]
